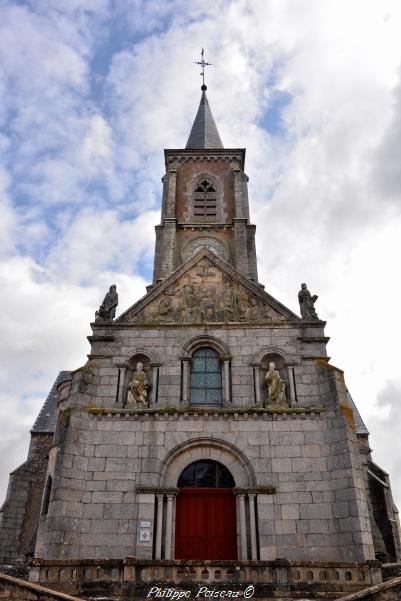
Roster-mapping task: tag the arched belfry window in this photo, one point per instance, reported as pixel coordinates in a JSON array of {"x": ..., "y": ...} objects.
[
  {"x": 206, "y": 388},
  {"x": 205, "y": 201},
  {"x": 206, "y": 473}
]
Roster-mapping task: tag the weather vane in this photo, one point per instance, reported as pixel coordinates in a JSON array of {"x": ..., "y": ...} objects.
[{"x": 203, "y": 64}]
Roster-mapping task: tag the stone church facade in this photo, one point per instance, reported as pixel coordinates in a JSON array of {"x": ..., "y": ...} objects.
[{"x": 208, "y": 423}]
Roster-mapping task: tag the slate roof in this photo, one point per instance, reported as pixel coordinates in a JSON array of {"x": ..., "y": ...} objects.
[
  {"x": 47, "y": 418},
  {"x": 359, "y": 424},
  {"x": 204, "y": 132}
]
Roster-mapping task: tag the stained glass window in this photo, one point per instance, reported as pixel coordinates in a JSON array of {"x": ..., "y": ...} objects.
[
  {"x": 207, "y": 474},
  {"x": 206, "y": 377}
]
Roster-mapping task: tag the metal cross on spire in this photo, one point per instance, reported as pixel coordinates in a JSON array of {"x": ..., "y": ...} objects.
[{"x": 203, "y": 64}]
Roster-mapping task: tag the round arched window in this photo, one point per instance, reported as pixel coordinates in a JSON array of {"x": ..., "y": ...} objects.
[
  {"x": 205, "y": 377},
  {"x": 206, "y": 474}
]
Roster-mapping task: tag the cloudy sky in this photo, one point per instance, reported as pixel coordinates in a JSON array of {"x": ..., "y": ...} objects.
[{"x": 91, "y": 91}]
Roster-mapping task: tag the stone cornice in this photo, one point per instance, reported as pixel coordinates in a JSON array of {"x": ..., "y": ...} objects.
[
  {"x": 179, "y": 155},
  {"x": 203, "y": 326},
  {"x": 148, "y": 490},
  {"x": 206, "y": 412},
  {"x": 311, "y": 339},
  {"x": 258, "y": 490}
]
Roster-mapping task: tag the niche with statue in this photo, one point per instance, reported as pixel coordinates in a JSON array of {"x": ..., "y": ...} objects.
[
  {"x": 274, "y": 381},
  {"x": 137, "y": 382}
]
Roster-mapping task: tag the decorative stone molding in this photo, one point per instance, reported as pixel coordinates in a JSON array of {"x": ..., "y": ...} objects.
[
  {"x": 157, "y": 490},
  {"x": 205, "y": 340},
  {"x": 260, "y": 489},
  {"x": 221, "y": 412},
  {"x": 207, "y": 448}
]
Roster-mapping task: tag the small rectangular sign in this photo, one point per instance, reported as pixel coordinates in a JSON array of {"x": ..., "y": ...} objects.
[
  {"x": 144, "y": 536},
  {"x": 145, "y": 524}
]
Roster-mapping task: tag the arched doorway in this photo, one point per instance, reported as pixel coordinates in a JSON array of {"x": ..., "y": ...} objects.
[{"x": 206, "y": 513}]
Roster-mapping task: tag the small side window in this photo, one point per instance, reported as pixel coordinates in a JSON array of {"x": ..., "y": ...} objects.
[{"x": 46, "y": 495}]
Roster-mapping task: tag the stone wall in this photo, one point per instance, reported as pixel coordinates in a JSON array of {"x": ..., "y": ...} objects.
[
  {"x": 247, "y": 345},
  {"x": 20, "y": 511},
  {"x": 303, "y": 459}
]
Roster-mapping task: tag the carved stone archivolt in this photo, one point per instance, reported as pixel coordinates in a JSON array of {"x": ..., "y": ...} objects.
[{"x": 206, "y": 294}]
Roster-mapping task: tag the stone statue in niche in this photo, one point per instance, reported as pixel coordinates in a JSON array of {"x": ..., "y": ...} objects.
[
  {"x": 107, "y": 309},
  {"x": 307, "y": 304},
  {"x": 275, "y": 386},
  {"x": 138, "y": 387}
]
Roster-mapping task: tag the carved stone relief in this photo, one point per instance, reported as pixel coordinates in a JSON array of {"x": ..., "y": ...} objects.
[
  {"x": 206, "y": 294},
  {"x": 205, "y": 243}
]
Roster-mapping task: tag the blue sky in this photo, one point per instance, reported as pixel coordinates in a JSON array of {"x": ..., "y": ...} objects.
[{"x": 92, "y": 91}]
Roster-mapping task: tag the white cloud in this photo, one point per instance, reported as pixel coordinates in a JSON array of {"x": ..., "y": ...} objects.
[{"x": 96, "y": 242}]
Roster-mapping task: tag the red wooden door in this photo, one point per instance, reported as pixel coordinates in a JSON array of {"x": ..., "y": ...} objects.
[{"x": 206, "y": 524}]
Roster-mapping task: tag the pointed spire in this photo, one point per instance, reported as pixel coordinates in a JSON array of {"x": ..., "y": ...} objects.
[{"x": 204, "y": 132}]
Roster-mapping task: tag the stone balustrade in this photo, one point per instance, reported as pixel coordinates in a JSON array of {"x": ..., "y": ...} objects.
[{"x": 271, "y": 578}]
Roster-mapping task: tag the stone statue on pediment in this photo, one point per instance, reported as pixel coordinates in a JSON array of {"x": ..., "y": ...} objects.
[
  {"x": 107, "y": 309},
  {"x": 307, "y": 304},
  {"x": 138, "y": 388},
  {"x": 275, "y": 386}
]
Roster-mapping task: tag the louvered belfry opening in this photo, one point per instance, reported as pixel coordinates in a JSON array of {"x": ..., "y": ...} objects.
[{"x": 205, "y": 201}]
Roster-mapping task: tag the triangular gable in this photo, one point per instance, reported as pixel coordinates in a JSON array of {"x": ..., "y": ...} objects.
[{"x": 206, "y": 289}]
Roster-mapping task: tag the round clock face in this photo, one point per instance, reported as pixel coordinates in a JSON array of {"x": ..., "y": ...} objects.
[{"x": 211, "y": 244}]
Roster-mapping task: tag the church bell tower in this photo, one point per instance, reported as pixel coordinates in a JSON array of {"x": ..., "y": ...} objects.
[{"x": 205, "y": 202}]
